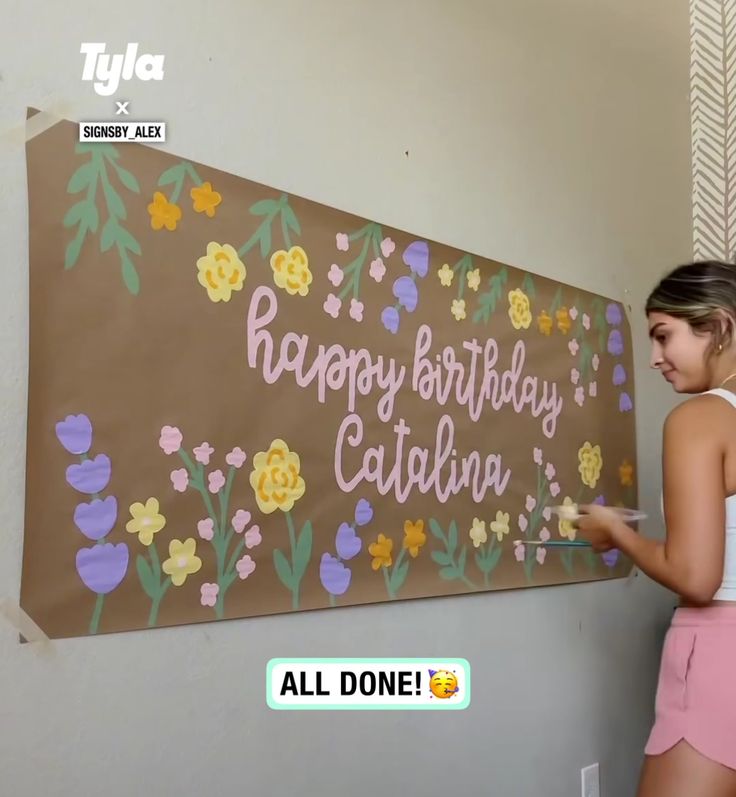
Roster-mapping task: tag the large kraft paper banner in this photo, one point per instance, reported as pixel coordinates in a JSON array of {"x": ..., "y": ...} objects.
[{"x": 244, "y": 403}]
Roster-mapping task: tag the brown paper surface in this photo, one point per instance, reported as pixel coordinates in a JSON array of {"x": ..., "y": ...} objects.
[{"x": 243, "y": 402}]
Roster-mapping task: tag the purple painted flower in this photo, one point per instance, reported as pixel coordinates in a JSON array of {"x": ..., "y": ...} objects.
[
  {"x": 624, "y": 402},
  {"x": 619, "y": 375},
  {"x": 75, "y": 433},
  {"x": 610, "y": 557},
  {"x": 613, "y": 314},
  {"x": 615, "y": 343},
  {"x": 416, "y": 256},
  {"x": 96, "y": 519},
  {"x": 90, "y": 476},
  {"x": 390, "y": 319},
  {"x": 601, "y": 501},
  {"x": 333, "y": 574},
  {"x": 347, "y": 542},
  {"x": 363, "y": 512},
  {"x": 405, "y": 290},
  {"x": 103, "y": 567}
]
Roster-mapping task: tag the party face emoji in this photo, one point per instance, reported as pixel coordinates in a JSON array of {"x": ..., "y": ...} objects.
[{"x": 442, "y": 683}]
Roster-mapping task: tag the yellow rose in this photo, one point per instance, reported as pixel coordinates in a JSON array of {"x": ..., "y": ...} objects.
[
  {"x": 275, "y": 478},
  {"x": 381, "y": 552},
  {"x": 414, "y": 536},
  {"x": 291, "y": 270},
  {"x": 590, "y": 464},
  {"x": 544, "y": 322},
  {"x": 205, "y": 199},
  {"x": 519, "y": 311},
  {"x": 220, "y": 272},
  {"x": 566, "y": 526},
  {"x": 163, "y": 213}
]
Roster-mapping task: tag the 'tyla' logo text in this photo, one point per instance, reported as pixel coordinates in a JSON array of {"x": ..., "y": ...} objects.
[{"x": 110, "y": 69}]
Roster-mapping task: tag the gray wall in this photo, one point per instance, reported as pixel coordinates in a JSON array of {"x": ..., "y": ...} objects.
[{"x": 549, "y": 134}]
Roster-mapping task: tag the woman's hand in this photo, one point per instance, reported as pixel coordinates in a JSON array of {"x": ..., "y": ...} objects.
[{"x": 598, "y": 525}]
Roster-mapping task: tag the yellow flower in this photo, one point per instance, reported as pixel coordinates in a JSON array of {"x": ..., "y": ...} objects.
[
  {"x": 221, "y": 272},
  {"x": 205, "y": 199},
  {"x": 478, "y": 532},
  {"x": 414, "y": 536},
  {"x": 566, "y": 526},
  {"x": 500, "y": 525},
  {"x": 275, "y": 478},
  {"x": 564, "y": 322},
  {"x": 163, "y": 213},
  {"x": 519, "y": 310},
  {"x": 474, "y": 279},
  {"x": 626, "y": 473},
  {"x": 445, "y": 274},
  {"x": 146, "y": 520},
  {"x": 181, "y": 562},
  {"x": 381, "y": 552},
  {"x": 291, "y": 270},
  {"x": 458, "y": 309},
  {"x": 590, "y": 464},
  {"x": 544, "y": 321}
]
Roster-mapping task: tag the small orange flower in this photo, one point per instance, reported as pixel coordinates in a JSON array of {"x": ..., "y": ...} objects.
[
  {"x": 414, "y": 536},
  {"x": 564, "y": 322},
  {"x": 163, "y": 213},
  {"x": 626, "y": 473},
  {"x": 205, "y": 199},
  {"x": 381, "y": 552},
  {"x": 544, "y": 322}
]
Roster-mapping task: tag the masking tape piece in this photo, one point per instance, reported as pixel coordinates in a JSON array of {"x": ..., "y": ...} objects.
[
  {"x": 37, "y": 124},
  {"x": 23, "y": 623}
]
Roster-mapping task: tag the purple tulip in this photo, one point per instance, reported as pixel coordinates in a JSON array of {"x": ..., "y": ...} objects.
[
  {"x": 624, "y": 403},
  {"x": 363, "y": 512},
  {"x": 610, "y": 557},
  {"x": 103, "y": 567},
  {"x": 333, "y": 574},
  {"x": 90, "y": 476},
  {"x": 619, "y": 375},
  {"x": 75, "y": 433},
  {"x": 613, "y": 314},
  {"x": 390, "y": 319},
  {"x": 347, "y": 542},
  {"x": 416, "y": 256},
  {"x": 405, "y": 290},
  {"x": 96, "y": 519},
  {"x": 615, "y": 343}
]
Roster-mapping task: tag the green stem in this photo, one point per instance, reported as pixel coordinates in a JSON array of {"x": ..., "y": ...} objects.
[
  {"x": 333, "y": 601},
  {"x": 256, "y": 237},
  {"x": 153, "y": 615},
  {"x": 235, "y": 556},
  {"x": 388, "y": 583},
  {"x": 355, "y": 269},
  {"x": 292, "y": 541},
  {"x": 177, "y": 189},
  {"x": 95, "y": 622},
  {"x": 285, "y": 231},
  {"x": 196, "y": 179}
]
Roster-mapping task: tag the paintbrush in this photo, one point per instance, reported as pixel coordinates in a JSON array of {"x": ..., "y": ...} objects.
[{"x": 555, "y": 543}]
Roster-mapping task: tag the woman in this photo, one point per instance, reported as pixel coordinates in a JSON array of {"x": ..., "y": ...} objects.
[{"x": 691, "y": 751}]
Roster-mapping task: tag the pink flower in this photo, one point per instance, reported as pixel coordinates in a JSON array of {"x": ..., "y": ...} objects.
[
  {"x": 519, "y": 552},
  {"x": 356, "y": 310},
  {"x": 332, "y": 305},
  {"x": 206, "y": 528},
  {"x": 586, "y": 321},
  {"x": 342, "y": 241},
  {"x": 387, "y": 247},
  {"x": 216, "y": 481},
  {"x": 236, "y": 457},
  {"x": 245, "y": 566},
  {"x": 550, "y": 471},
  {"x": 596, "y": 362},
  {"x": 593, "y": 389},
  {"x": 554, "y": 489},
  {"x": 530, "y": 503},
  {"x": 580, "y": 395},
  {"x": 203, "y": 453},
  {"x": 574, "y": 346},
  {"x": 170, "y": 440},
  {"x": 335, "y": 275},
  {"x": 209, "y": 594},
  {"x": 547, "y": 514},
  {"x": 538, "y": 456},
  {"x": 574, "y": 376},
  {"x": 541, "y": 555},
  {"x": 253, "y": 537},
  {"x": 523, "y": 523},
  {"x": 544, "y": 534},
  {"x": 180, "y": 479},
  {"x": 240, "y": 520},
  {"x": 377, "y": 269},
  {"x": 573, "y": 313}
]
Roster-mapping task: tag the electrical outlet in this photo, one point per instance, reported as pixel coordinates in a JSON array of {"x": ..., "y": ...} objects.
[{"x": 590, "y": 781}]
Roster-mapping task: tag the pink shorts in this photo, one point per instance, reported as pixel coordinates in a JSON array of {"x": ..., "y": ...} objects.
[{"x": 696, "y": 693}]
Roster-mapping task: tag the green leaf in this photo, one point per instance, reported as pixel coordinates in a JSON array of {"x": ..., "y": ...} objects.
[
  {"x": 461, "y": 560},
  {"x": 283, "y": 570},
  {"x": 303, "y": 550},
  {"x": 436, "y": 529},
  {"x": 263, "y": 207},
  {"x": 74, "y": 247},
  {"x": 441, "y": 557},
  {"x": 127, "y": 179},
  {"x": 566, "y": 559},
  {"x": 556, "y": 303},
  {"x": 398, "y": 576},
  {"x": 493, "y": 558},
  {"x": 265, "y": 241},
  {"x": 114, "y": 202},
  {"x": 109, "y": 234},
  {"x": 92, "y": 217},
  {"x": 81, "y": 178},
  {"x": 528, "y": 286},
  {"x": 172, "y": 175},
  {"x": 130, "y": 275},
  {"x": 75, "y": 213},
  {"x": 448, "y": 573},
  {"x": 503, "y": 275},
  {"x": 291, "y": 220},
  {"x": 452, "y": 543},
  {"x": 483, "y": 564},
  {"x": 84, "y": 147},
  {"x": 145, "y": 574},
  {"x": 126, "y": 240}
]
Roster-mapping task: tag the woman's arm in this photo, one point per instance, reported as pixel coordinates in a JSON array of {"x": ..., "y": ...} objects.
[{"x": 690, "y": 560}]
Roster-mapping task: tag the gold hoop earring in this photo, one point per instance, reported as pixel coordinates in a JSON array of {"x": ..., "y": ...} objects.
[{"x": 720, "y": 348}]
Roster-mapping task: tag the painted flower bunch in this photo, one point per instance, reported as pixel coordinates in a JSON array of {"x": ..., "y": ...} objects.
[
  {"x": 614, "y": 317},
  {"x": 467, "y": 276},
  {"x": 164, "y": 211},
  {"x": 452, "y": 563},
  {"x": 102, "y": 566},
  {"x": 587, "y": 360},
  {"x": 557, "y": 316},
  {"x": 488, "y": 300},
  {"x": 404, "y": 289},
  {"x": 334, "y": 575},
  {"x": 488, "y": 555},
  {"x": 395, "y": 572}
]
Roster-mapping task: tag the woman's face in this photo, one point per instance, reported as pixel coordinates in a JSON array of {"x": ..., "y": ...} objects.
[{"x": 679, "y": 354}]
